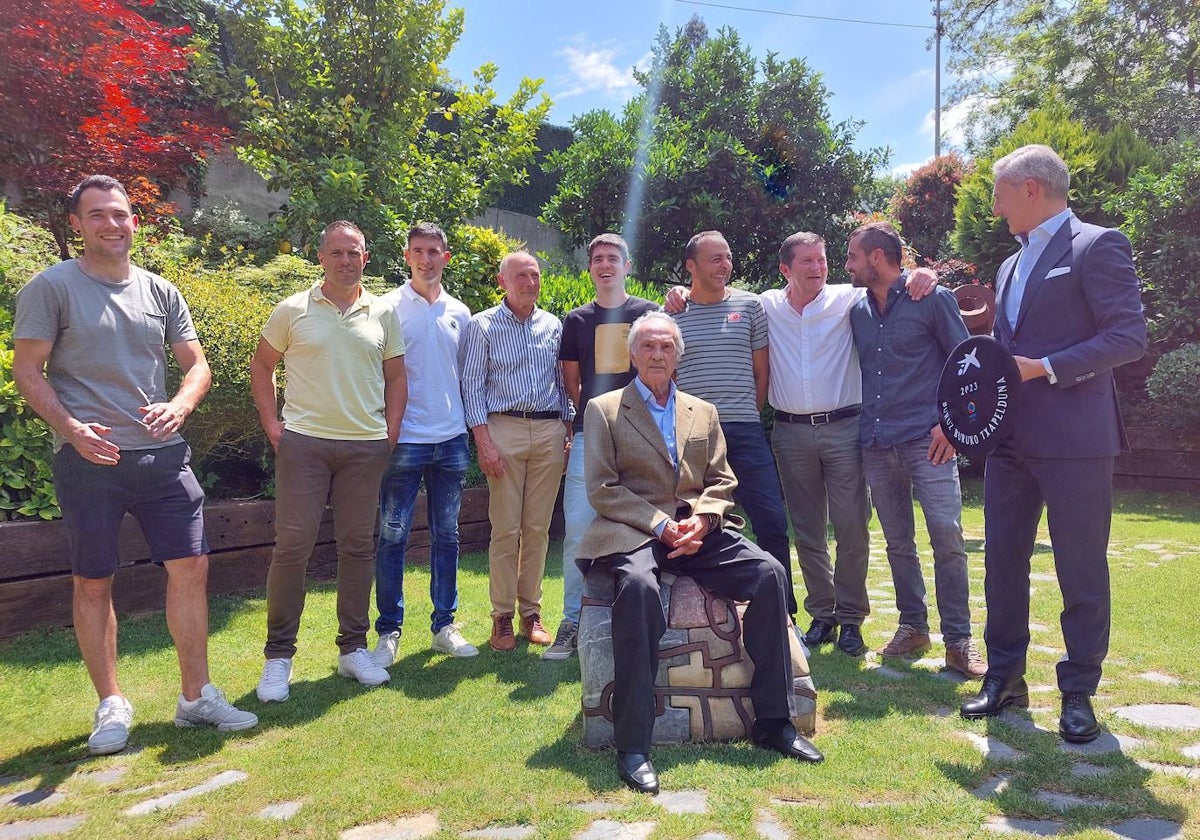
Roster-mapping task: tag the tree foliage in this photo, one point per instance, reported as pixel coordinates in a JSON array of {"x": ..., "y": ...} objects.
[
  {"x": 1110, "y": 61},
  {"x": 733, "y": 143},
  {"x": 923, "y": 205},
  {"x": 1162, "y": 220},
  {"x": 1100, "y": 166},
  {"x": 93, "y": 86},
  {"x": 348, "y": 109}
]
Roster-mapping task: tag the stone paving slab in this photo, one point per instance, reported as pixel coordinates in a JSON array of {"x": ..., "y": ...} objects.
[
  {"x": 614, "y": 830},
  {"x": 1089, "y": 771},
  {"x": 1147, "y": 828},
  {"x": 1046, "y": 649},
  {"x": 992, "y": 748},
  {"x": 280, "y": 811},
  {"x": 1034, "y": 627},
  {"x": 1106, "y": 743},
  {"x": 502, "y": 832},
  {"x": 229, "y": 777},
  {"x": 993, "y": 786},
  {"x": 1010, "y": 825},
  {"x": 768, "y": 826},
  {"x": 1188, "y": 773},
  {"x": 683, "y": 802},
  {"x": 39, "y": 828},
  {"x": 1042, "y": 689},
  {"x": 103, "y": 777},
  {"x": 886, "y": 671},
  {"x": 594, "y": 807},
  {"x": 713, "y": 835},
  {"x": 1162, "y": 679},
  {"x": 405, "y": 828},
  {"x": 1175, "y": 716},
  {"x": 1043, "y": 577},
  {"x": 37, "y": 796},
  {"x": 5, "y": 781},
  {"x": 186, "y": 823},
  {"x": 1062, "y": 801},
  {"x": 1019, "y": 721},
  {"x": 1192, "y": 752}
]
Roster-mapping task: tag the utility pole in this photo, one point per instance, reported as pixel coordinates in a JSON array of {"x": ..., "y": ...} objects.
[{"x": 937, "y": 80}]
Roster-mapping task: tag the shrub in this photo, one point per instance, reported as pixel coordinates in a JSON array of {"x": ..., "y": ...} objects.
[
  {"x": 923, "y": 205},
  {"x": 26, "y": 448},
  {"x": 471, "y": 274},
  {"x": 224, "y": 233},
  {"x": 1162, "y": 220},
  {"x": 953, "y": 273},
  {"x": 1173, "y": 387}
]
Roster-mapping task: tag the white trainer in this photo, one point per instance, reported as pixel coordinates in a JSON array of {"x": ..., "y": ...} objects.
[
  {"x": 359, "y": 665},
  {"x": 212, "y": 709},
  {"x": 110, "y": 733},
  {"x": 273, "y": 686},
  {"x": 450, "y": 640},
  {"x": 385, "y": 649}
]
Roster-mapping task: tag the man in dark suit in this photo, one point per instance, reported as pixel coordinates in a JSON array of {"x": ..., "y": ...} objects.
[
  {"x": 657, "y": 476},
  {"x": 1069, "y": 309}
]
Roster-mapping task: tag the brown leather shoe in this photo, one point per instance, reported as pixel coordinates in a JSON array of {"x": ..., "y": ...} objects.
[
  {"x": 502, "y": 633},
  {"x": 908, "y": 641},
  {"x": 532, "y": 629},
  {"x": 964, "y": 657}
]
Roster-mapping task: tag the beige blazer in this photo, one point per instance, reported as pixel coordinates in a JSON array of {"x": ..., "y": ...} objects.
[{"x": 631, "y": 482}]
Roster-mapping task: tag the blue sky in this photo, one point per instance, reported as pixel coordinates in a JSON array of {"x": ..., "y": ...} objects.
[{"x": 585, "y": 49}]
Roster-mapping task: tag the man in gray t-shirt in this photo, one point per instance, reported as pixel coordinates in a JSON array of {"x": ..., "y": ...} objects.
[{"x": 89, "y": 357}]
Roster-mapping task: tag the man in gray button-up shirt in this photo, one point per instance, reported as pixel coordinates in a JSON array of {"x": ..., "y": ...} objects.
[{"x": 902, "y": 345}]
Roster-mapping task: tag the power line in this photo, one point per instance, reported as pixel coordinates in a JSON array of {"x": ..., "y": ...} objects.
[{"x": 807, "y": 17}]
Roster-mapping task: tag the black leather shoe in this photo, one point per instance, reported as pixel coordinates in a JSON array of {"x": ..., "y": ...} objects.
[
  {"x": 637, "y": 772},
  {"x": 850, "y": 640},
  {"x": 785, "y": 740},
  {"x": 819, "y": 632},
  {"x": 1077, "y": 723},
  {"x": 996, "y": 693}
]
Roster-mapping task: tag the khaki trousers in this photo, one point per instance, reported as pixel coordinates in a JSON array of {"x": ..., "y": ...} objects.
[{"x": 520, "y": 506}]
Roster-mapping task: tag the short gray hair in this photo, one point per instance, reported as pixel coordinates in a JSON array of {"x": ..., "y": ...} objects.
[
  {"x": 651, "y": 319},
  {"x": 1037, "y": 163}
]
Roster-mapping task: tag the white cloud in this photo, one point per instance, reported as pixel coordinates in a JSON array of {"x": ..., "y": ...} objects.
[
  {"x": 954, "y": 121},
  {"x": 593, "y": 69}
]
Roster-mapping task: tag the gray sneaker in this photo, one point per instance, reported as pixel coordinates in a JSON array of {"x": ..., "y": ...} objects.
[
  {"x": 566, "y": 641},
  {"x": 110, "y": 733},
  {"x": 386, "y": 648},
  {"x": 212, "y": 709}
]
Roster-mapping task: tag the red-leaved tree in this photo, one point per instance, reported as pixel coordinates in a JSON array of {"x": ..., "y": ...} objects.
[
  {"x": 91, "y": 86},
  {"x": 924, "y": 205}
]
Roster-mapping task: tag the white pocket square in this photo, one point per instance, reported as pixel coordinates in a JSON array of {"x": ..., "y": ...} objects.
[{"x": 1058, "y": 272}]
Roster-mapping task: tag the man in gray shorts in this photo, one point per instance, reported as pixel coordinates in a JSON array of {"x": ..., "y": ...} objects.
[{"x": 89, "y": 359}]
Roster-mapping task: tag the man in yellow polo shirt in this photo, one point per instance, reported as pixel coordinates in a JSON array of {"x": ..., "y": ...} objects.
[{"x": 342, "y": 407}]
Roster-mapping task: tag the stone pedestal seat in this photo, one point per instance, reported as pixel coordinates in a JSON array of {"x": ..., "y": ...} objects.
[{"x": 702, "y": 691}]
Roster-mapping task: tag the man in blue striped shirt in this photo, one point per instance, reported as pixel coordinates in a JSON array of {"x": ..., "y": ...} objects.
[{"x": 520, "y": 418}]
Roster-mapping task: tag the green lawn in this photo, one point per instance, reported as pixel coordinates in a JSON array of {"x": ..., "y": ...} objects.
[{"x": 493, "y": 741}]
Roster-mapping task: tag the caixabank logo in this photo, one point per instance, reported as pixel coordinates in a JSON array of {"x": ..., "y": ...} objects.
[{"x": 978, "y": 390}]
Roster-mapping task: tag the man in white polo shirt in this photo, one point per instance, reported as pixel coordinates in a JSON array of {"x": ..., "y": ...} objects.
[
  {"x": 432, "y": 448},
  {"x": 342, "y": 408}
]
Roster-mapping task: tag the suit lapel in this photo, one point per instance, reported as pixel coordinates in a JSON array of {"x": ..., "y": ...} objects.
[
  {"x": 1058, "y": 246},
  {"x": 643, "y": 423}
]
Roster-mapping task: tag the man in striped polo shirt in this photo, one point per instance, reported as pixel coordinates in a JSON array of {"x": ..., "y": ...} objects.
[
  {"x": 727, "y": 364},
  {"x": 519, "y": 414}
]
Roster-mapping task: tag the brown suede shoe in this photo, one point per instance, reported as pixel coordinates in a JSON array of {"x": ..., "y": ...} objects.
[
  {"x": 908, "y": 641},
  {"x": 532, "y": 629},
  {"x": 502, "y": 633},
  {"x": 964, "y": 657}
]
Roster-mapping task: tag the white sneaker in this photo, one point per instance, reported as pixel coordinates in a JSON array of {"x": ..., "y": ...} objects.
[
  {"x": 385, "y": 650},
  {"x": 212, "y": 709},
  {"x": 273, "y": 687},
  {"x": 359, "y": 665},
  {"x": 450, "y": 640},
  {"x": 110, "y": 734}
]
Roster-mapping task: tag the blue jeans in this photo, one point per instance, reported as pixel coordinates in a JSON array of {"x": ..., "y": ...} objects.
[
  {"x": 577, "y": 515},
  {"x": 759, "y": 495},
  {"x": 442, "y": 466},
  {"x": 895, "y": 474}
]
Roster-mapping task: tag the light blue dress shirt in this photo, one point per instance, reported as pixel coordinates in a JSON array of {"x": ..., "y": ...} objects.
[
  {"x": 1033, "y": 245},
  {"x": 664, "y": 418}
]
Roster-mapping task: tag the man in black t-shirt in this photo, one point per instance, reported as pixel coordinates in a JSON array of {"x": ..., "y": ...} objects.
[{"x": 595, "y": 360}]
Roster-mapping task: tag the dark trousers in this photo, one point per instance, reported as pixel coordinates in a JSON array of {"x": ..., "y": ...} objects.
[
  {"x": 727, "y": 565},
  {"x": 1077, "y": 496}
]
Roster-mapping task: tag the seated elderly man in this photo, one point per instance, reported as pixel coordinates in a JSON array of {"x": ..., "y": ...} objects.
[{"x": 658, "y": 479}]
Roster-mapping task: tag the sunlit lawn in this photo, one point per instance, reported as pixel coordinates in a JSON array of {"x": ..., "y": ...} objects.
[{"x": 494, "y": 740}]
